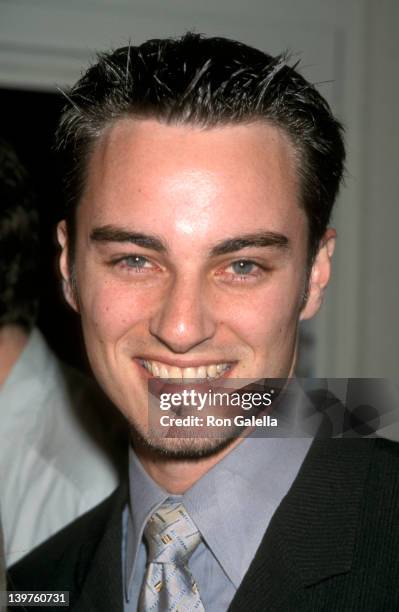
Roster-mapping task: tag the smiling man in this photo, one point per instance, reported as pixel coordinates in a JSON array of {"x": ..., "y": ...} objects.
[
  {"x": 183, "y": 229},
  {"x": 201, "y": 179}
]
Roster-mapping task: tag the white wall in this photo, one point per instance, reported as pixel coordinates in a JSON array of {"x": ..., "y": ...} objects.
[
  {"x": 350, "y": 43},
  {"x": 379, "y": 320}
]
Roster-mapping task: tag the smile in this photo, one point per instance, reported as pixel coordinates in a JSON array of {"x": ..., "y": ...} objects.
[{"x": 209, "y": 371}]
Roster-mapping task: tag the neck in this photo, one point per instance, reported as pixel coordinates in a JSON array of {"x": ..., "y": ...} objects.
[
  {"x": 13, "y": 339},
  {"x": 178, "y": 475}
]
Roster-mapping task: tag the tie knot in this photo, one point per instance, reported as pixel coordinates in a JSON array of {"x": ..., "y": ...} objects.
[{"x": 171, "y": 535}]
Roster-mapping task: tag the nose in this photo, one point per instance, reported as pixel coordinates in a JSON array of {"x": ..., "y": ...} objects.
[{"x": 183, "y": 319}]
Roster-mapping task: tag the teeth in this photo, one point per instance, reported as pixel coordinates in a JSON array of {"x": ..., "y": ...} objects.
[
  {"x": 211, "y": 371},
  {"x": 201, "y": 372},
  {"x": 174, "y": 372},
  {"x": 160, "y": 370},
  {"x": 163, "y": 372}
]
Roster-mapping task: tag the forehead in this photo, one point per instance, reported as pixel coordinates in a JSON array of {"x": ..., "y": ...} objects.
[{"x": 158, "y": 175}]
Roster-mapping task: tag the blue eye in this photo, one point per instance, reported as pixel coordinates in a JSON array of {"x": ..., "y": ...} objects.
[
  {"x": 135, "y": 261},
  {"x": 243, "y": 267},
  {"x": 133, "y": 265}
]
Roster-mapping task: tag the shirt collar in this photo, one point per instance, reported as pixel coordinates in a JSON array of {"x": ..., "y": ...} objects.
[
  {"x": 231, "y": 505},
  {"x": 145, "y": 496}
]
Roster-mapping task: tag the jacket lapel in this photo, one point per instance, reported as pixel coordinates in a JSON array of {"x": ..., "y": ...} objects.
[
  {"x": 312, "y": 534},
  {"x": 100, "y": 577}
]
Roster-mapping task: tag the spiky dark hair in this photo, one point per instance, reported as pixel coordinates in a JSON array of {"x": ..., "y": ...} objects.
[{"x": 208, "y": 82}]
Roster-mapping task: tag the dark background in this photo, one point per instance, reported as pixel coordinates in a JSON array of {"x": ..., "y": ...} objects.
[{"x": 28, "y": 121}]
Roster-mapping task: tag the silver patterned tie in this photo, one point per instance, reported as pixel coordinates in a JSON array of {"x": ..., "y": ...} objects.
[{"x": 169, "y": 585}]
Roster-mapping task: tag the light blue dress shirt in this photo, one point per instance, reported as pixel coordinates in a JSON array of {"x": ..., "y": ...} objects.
[
  {"x": 232, "y": 506},
  {"x": 55, "y": 460}
]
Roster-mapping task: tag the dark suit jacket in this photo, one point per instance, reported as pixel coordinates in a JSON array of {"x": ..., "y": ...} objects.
[{"x": 333, "y": 543}]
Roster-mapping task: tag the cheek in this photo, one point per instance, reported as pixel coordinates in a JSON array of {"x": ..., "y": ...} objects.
[
  {"x": 109, "y": 310},
  {"x": 265, "y": 315}
]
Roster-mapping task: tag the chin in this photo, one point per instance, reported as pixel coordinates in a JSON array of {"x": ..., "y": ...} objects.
[{"x": 178, "y": 447}]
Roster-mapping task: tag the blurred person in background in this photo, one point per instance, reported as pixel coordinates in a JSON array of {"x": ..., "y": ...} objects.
[{"x": 55, "y": 462}]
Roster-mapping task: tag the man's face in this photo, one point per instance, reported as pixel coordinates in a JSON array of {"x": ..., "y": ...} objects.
[{"x": 191, "y": 259}]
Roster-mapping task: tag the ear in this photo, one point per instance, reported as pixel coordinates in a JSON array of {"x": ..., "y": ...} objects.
[
  {"x": 67, "y": 282},
  {"x": 319, "y": 275}
]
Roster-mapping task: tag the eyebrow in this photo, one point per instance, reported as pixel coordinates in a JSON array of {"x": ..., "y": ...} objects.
[
  {"x": 257, "y": 239},
  {"x": 109, "y": 233}
]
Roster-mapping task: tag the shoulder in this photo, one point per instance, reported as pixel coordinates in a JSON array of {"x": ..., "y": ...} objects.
[
  {"x": 60, "y": 562},
  {"x": 378, "y": 536},
  {"x": 383, "y": 476}
]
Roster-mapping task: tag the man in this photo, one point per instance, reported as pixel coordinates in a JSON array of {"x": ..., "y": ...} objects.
[
  {"x": 201, "y": 178},
  {"x": 55, "y": 462}
]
